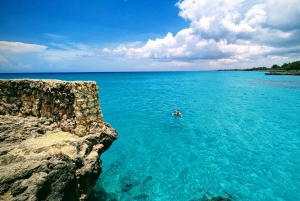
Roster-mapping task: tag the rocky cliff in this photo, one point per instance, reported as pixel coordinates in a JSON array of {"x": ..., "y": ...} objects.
[
  {"x": 51, "y": 138},
  {"x": 77, "y": 102}
]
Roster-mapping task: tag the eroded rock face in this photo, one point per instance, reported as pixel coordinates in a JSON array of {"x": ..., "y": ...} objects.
[
  {"x": 53, "y": 99},
  {"x": 40, "y": 162},
  {"x": 40, "y": 157}
]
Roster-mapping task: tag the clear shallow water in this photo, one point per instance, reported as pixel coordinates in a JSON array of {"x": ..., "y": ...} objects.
[{"x": 239, "y": 136}]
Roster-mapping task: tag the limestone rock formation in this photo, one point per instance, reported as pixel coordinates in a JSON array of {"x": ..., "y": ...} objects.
[
  {"x": 38, "y": 160},
  {"x": 53, "y": 99}
]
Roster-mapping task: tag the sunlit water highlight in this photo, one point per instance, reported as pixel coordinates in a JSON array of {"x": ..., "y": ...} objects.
[{"x": 239, "y": 136}]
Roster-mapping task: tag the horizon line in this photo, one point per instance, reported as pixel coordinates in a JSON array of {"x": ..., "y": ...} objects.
[{"x": 73, "y": 72}]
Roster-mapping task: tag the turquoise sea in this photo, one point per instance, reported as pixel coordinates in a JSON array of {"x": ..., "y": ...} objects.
[{"x": 239, "y": 136}]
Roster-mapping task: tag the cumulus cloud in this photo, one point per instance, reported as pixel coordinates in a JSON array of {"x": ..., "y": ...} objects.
[{"x": 226, "y": 32}]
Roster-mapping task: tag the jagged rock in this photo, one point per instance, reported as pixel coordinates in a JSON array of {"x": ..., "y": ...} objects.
[
  {"x": 53, "y": 99},
  {"x": 52, "y": 165},
  {"x": 67, "y": 125},
  {"x": 38, "y": 160}
]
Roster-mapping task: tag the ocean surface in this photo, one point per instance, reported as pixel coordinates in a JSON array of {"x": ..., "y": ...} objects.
[{"x": 239, "y": 136}]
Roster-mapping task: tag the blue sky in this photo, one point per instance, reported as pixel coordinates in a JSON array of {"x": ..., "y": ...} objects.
[{"x": 152, "y": 35}]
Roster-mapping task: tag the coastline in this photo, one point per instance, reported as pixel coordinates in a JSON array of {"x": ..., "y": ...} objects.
[
  {"x": 283, "y": 73},
  {"x": 292, "y": 68}
]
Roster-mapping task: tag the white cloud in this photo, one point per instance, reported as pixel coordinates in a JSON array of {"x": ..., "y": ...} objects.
[
  {"x": 20, "y": 47},
  {"x": 283, "y": 14},
  {"x": 256, "y": 15},
  {"x": 250, "y": 23},
  {"x": 106, "y": 50},
  {"x": 225, "y": 32},
  {"x": 204, "y": 23},
  {"x": 17, "y": 55}
]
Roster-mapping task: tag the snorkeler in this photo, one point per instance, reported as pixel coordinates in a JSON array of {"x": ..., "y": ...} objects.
[{"x": 177, "y": 113}]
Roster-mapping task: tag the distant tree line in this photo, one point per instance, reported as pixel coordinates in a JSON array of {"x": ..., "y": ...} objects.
[
  {"x": 257, "y": 69},
  {"x": 287, "y": 66},
  {"x": 293, "y": 66}
]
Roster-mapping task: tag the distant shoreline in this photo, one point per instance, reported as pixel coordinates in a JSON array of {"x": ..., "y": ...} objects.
[
  {"x": 268, "y": 72},
  {"x": 248, "y": 69},
  {"x": 283, "y": 73},
  {"x": 286, "y": 69}
]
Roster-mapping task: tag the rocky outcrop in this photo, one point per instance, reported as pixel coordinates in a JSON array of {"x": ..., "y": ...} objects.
[
  {"x": 38, "y": 160},
  {"x": 291, "y": 72},
  {"x": 77, "y": 102}
]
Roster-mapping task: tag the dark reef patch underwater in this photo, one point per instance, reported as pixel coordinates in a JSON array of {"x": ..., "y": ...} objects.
[
  {"x": 132, "y": 189},
  {"x": 99, "y": 194}
]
